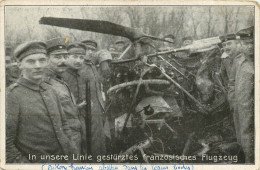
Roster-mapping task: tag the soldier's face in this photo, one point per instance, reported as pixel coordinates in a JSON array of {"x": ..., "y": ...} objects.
[
  {"x": 168, "y": 44},
  {"x": 89, "y": 53},
  {"x": 32, "y": 66},
  {"x": 75, "y": 61},
  {"x": 230, "y": 47},
  {"x": 57, "y": 62},
  {"x": 248, "y": 47},
  {"x": 120, "y": 47}
]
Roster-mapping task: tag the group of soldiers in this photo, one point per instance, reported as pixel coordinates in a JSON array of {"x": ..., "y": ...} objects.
[
  {"x": 59, "y": 89},
  {"x": 46, "y": 107},
  {"x": 238, "y": 65}
]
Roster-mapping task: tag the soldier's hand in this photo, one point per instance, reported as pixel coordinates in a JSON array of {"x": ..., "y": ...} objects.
[
  {"x": 82, "y": 104},
  {"x": 105, "y": 70}
]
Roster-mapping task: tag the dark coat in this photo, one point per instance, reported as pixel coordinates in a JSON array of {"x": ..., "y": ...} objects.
[
  {"x": 68, "y": 105},
  {"x": 12, "y": 74},
  {"x": 77, "y": 83},
  {"x": 98, "y": 118},
  {"x": 35, "y": 123},
  {"x": 241, "y": 98}
]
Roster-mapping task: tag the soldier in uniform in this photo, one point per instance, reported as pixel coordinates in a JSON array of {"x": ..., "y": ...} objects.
[
  {"x": 99, "y": 125},
  {"x": 111, "y": 48},
  {"x": 241, "y": 90},
  {"x": 57, "y": 53},
  {"x": 226, "y": 64},
  {"x": 167, "y": 45},
  {"x": 120, "y": 45},
  {"x": 100, "y": 59},
  {"x": 77, "y": 83},
  {"x": 35, "y": 121},
  {"x": 12, "y": 71},
  {"x": 187, "y": 41},
  {"x": 91, "y": 49}
]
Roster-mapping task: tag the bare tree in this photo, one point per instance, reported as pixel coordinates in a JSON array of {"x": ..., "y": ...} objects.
[
  {"x": 237, "y": 19},
  {"x": 209, "y": 22},
  {"x": 250, "y": 19},
  {"x": 134, "y": 13},
  {"x": 195, "y": 20},
  {"x": 227, "y": 12}
]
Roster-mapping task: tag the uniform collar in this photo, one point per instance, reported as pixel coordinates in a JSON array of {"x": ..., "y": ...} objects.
[
  {"x": 240, "y": 55},
  {"x": 72, "y": 71},
  {"x": 89, "y": 62},
  {"x": 246, "y": 57},
  {"x": 50, "y": 73},
  {"x": 29, "y": 84}
]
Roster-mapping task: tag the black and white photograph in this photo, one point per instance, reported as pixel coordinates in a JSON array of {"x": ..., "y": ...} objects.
[{"x": 108, "y": 85}]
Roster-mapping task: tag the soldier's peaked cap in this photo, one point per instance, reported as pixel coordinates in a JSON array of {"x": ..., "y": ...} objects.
[
  {"x": 169, "y": 36},
  {"x": 57, "y": 46},
  {"x": 90, "y": 44},
  {"x": 244, "y": 34},
  {"x": 228, "y": 37},
  {"x": 247, "y": 33},
  {"x": 77, "y": 48},
  {"x": 120, "y": 42},
  {"x": 187, "y": 38},
  {"x": 29, "y": 48}
]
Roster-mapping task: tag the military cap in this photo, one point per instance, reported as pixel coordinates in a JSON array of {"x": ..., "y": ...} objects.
[
  {"x": 28, "y": 48},
  {"x": 169, "y": 36},
  {"x": 90, "y": 44},
  {"x": 228, "y": 37},
  {"x": 245, "y": 34},
  {"x": 147, "y": 41},
  {"x": 77, "y": 48},
  {"x": 187, "y": 38},
  {"x": 103, "y": 55},
  {"x": 120, "y": 42},
  {"x": 57, "y": 46}
]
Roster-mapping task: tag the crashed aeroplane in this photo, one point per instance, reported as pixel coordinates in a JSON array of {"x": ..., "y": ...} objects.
[{"x": 166, "y": 104}]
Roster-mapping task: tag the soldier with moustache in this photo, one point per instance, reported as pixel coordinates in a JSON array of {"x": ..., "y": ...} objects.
[
  {"x": 99, "y": 124},
  {"x": 57, "y": 56},
  {"x": 241, "y": 89},
  {"x": 35, "y": 121},
  {"x": 77, "y": 83}
]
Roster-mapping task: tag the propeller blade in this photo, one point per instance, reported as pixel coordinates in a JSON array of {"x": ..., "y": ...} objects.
[{"x": 99, "y": 26}]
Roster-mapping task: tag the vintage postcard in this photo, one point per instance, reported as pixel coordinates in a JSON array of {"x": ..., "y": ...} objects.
[{"x": 140, "y": 85}]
